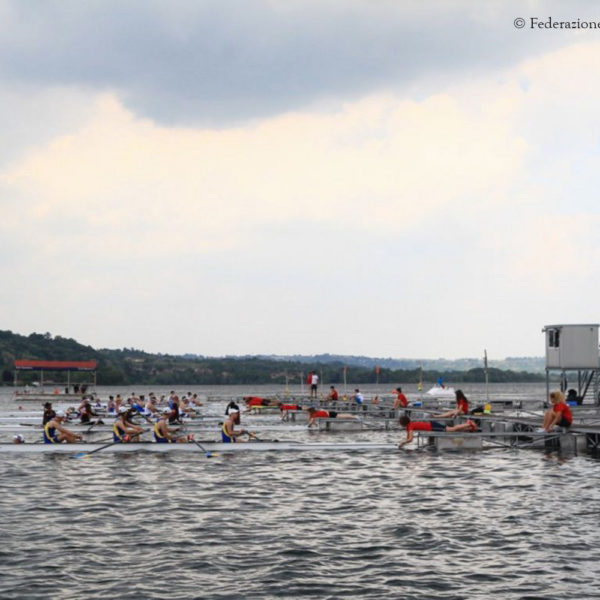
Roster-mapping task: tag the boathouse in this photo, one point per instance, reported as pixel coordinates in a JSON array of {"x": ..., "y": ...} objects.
[{"x": 572, "y": 351}]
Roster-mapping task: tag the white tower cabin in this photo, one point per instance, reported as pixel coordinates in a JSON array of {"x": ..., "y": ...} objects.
[{"x": 573, "y": 350}]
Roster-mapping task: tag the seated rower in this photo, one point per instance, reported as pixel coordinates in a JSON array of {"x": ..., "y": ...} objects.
[
  {"x": 150, "y": 408},
  {"x": 195, "y": 400},
  {"x": 286, "y": 408},
  {"x": 49, "y": 413},
  {"x": 411, "y": 426},
  {"x": 111, "y": 407},
  {"x": 232, "y": 406},
  {"x": 123, "y": 429},
  {"x": 162, "y": 433},
  {"x": 186, "y": 409},
  {"x": 55, "y": 433},
  {"x": 86, "y": 412},
  {"x": 174, "y": 415},
  {"x": 229, "y": 434},
  {"x": 314, "y": 414},
  {"x": 559, "y": 414}
]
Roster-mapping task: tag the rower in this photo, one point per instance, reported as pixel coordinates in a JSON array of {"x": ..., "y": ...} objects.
[
  {"x": 150, "y": 408},
  {"x": 85, "y": 412},
  {"x": 55, "y": 433},
  {"x": 186, "y": 409},
  {"x": 49, "y": 413},
  {"x": 162, "y": 433},
  {"x": 195, "y": 400},
  {"x": 174, "y": 408},
  {"x": 229, "y": 434},
  {"x": 123, "y": 430},
  {"x": 411, "y": 426},
  {"x": 319, "y": 413},
  {"x": 231, "y": 407}
]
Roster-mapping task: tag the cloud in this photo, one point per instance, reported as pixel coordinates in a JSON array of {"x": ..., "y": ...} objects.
[
  {"x": 382, "y": 162},
  {"x": 210, "y": 62}
]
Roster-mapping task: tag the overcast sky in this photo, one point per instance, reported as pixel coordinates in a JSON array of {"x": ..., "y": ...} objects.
[{"x": 390, "y": 178}]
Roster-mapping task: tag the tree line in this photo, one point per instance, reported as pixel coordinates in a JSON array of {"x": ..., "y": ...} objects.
[{"x": 129, "y": 366}]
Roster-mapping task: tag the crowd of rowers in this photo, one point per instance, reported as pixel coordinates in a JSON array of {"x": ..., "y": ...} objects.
[{"x": 160, "y": 413}]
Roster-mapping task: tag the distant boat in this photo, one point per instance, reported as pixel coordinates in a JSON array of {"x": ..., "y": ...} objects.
[{"x": 441, "y": 392}]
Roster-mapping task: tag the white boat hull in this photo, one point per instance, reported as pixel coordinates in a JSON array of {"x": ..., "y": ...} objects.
[{"x": 191, "y": 447}]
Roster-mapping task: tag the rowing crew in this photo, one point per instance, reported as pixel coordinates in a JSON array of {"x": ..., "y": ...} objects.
[{"x": 125, "y": 431}]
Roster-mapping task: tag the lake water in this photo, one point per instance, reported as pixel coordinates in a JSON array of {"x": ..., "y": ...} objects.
[{"x": 407, "y": 524}]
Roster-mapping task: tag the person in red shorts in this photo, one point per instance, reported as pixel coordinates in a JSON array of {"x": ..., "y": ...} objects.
[
  {"x": 462, "y": 407},
  {"x": 411, "y": 426},
  {"x": 286, "y": 408},
  {"x": 559, "y": 414}
]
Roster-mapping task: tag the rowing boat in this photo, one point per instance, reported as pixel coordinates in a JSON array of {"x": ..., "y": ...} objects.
[
  {"x": 265, "y": 446},
  {"x": 107, "y": 428}
]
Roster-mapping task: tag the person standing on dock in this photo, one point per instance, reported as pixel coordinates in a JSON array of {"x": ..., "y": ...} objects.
[
  {"x": 314, "y": 384},
  {"x": 559, "y": 414}
]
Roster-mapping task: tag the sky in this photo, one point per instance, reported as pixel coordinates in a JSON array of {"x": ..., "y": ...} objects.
[{"x": 406, "y": 179}]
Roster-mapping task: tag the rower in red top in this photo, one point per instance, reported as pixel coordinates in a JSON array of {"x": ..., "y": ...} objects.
[
  {"x": 401, "y": 400},
  {"x": 462, "y": 407},
  {"x": 411, "y": 426},
  {"x": 559, "y": 414}
]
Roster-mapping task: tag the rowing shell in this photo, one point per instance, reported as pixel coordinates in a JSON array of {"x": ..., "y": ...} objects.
[
  {"x": 107, "y": 428},
  {"x": 207, "y": 446}
]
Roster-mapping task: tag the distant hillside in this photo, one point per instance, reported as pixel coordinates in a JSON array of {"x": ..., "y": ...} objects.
[
  {"x": 130, "y": 366},
  {"x": 534, "y": 364}
]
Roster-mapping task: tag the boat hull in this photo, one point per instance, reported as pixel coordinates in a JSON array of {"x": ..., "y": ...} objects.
[{"x": 270, "y": 446}]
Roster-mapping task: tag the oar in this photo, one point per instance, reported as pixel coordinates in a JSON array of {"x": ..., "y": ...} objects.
[
  {"x": 86, "y": 454},
  {"x": 208, "y": 454}
]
